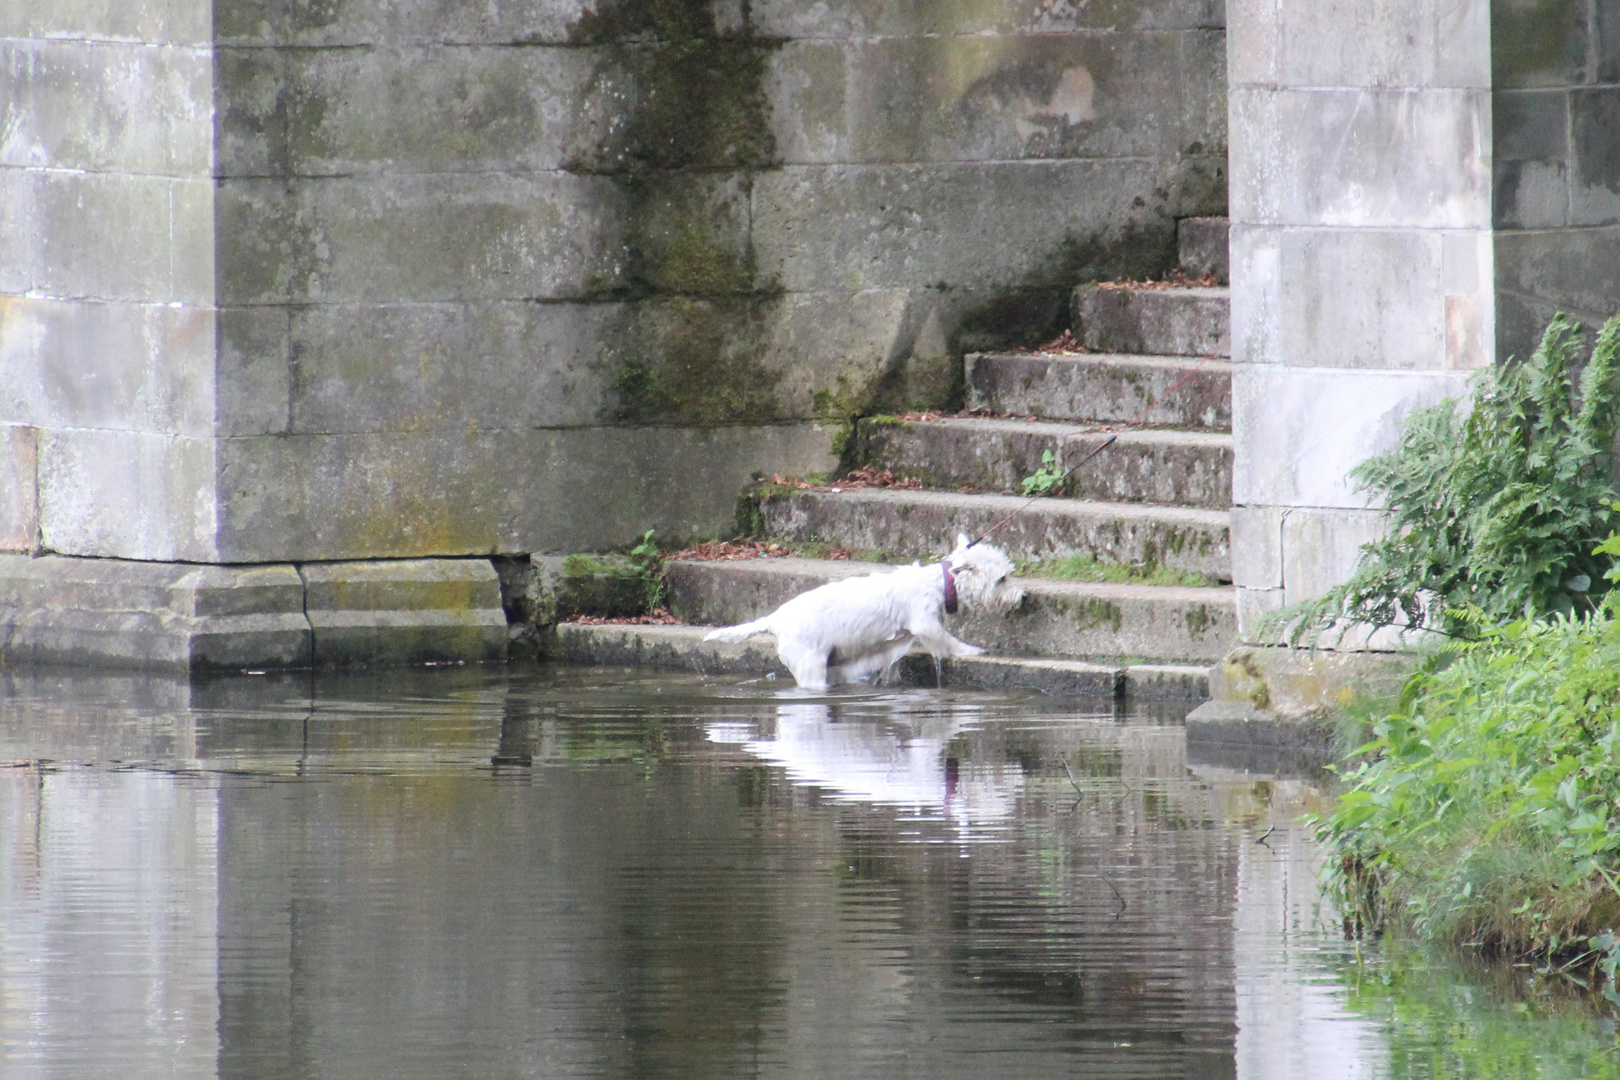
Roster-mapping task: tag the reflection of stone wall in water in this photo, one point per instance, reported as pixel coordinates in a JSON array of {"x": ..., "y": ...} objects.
[{"x": 359, "y": 280}]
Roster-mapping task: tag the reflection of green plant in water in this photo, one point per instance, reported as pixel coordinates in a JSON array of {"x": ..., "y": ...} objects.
[
  {"x": 1048, "y": 479},
  {"x": 1444, "y": 1019},
  {"x": 1498, "y": 511}
]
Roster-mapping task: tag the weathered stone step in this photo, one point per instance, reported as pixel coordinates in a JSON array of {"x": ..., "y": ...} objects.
[
  {"x": 1171, "y": 468},
  {"x": 1204, "y": 247},
  {"x": 1154, "y": 319},
  {"x": 1167, "y": 390},
  {"x": 683, "y": 648},
  {"x": 924, "y": 524},
  {"x": 1069, "y": 620}
]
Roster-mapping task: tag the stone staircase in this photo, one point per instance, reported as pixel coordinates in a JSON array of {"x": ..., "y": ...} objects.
[{"x": 1155, "y": 502}]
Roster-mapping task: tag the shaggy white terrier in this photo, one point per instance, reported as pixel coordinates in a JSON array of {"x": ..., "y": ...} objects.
[{"x": 855, "y": 630}]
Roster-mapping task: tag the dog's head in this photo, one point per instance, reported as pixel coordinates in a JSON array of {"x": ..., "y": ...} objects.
[{"x": 984, "y": 577}]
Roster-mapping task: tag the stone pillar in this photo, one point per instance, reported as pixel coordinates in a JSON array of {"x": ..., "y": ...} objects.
[
  {"x": 1555, "y": 120},
  {"x": 1362, "y": 261}
]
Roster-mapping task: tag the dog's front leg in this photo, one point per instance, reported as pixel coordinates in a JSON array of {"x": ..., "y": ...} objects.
[{"x": 939, "y": 642}]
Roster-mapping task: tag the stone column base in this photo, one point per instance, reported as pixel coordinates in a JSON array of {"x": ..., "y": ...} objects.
[
  {"x": 113, "y": 613},
  {"x": 1280, "y": 699}
]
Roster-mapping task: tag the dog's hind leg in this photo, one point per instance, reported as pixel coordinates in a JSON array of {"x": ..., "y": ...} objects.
[{"x": 808, "y": 664}]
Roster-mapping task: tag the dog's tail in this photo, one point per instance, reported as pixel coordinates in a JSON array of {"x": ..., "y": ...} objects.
[{"x": 741, "y": 632}]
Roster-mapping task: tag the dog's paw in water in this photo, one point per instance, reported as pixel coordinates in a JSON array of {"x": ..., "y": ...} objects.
[{"x": 856, "y": 629}]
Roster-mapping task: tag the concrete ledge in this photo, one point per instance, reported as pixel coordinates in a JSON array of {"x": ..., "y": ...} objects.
[
  {"x": 116, "y": 614},
  {"x": 414, "y": 611},
  {"x": 1237, "y": 725}
]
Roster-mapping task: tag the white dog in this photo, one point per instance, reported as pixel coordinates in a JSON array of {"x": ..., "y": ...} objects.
[{"x": 855, "y": 630}]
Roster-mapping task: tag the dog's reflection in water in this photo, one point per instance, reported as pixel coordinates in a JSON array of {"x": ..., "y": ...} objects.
[{"x": 873, "y": 751}]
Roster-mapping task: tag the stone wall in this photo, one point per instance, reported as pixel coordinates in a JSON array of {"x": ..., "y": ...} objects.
[
  {"x": 356, "y": 279},
  {"x": 1555, "y": 119}
]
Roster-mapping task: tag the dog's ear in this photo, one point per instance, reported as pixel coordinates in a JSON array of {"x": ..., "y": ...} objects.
[{"x": 962, "y": 542}]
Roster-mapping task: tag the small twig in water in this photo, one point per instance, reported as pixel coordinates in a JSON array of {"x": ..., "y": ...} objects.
[
  {"x": 1117, "y": 896},
  {"x": 1261, "y": 840},
  {"x": 1072, "y": 780}
]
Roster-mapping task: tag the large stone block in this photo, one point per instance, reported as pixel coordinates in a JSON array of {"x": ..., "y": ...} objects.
[
  {"x": 162, "y": 22},
  {"x": 964, "y": 225},
  {"x": 1594, "y": 194},
  {"x": 1298, "y": 431},
  {"x": 924, "y": 18},
  {"x": 1539, "y": 42},
  {"x": 434, "y": 367},
  {"x": 108, "y": 236},
  {"x": 1372, "y": 43},
  {"x": 409, "y": 22},
  {"x": 112, "y": 365},
  {"x": 973, "y": 98},
  {"x": 475, "y": 236},
  {"x": 18, "y": 246},
  {"x": 106, "y": 107},
  {"x": 436, "y": 108},
  {"x": 19, "y": 488},
  {"x": 1257, "y": 546},
  {"x": 1360, "y": 298},
  {"x": 110, "y": 613},
  {"x": 127, "y": 495},
  {"x": 1320, "y": 548},
  {"x": 1361, "y": 157},
  {"x": 394, "y": 614},
  {"x": 466, "y": 492},
  {"x": 253, "y": 372},
  {"x": 1531, "y": 158},
  {"x": 1544, "y": 271}
]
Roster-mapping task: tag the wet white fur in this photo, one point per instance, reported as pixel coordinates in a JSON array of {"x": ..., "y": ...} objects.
[{"x": 855, "y": 630}]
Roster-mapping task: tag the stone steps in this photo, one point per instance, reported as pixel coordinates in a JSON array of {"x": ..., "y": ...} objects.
[
  {"x": 1154, "y": 320},
  {"x": 683, "y": 648},
  {"x": 1169, "y": 391},
  {"x": 1170, "y": 468},
  {"x": 924, "y": 524},
  {"x": 1058, "y": 619}
]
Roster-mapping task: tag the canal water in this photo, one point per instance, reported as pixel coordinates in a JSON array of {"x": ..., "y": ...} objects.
[{"x": 562, "y": 873}]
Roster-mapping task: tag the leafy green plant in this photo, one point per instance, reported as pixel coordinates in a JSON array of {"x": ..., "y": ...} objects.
[
  {"x": 648, "y": 562},
  {"x": 1048, "y": 479},
  {"x": 1497, "y": 512}
]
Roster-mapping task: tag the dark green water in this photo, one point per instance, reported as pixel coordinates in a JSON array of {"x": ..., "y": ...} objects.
[{"x": 633, "y": 875}]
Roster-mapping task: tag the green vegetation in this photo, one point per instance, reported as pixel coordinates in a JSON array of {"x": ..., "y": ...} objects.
[
  {"x": 1048, "y": 479},
  {"x": 648, "y": 564},
  {"x": 1443, "y": 1018},
  {"x": 1496, "y": 513},
  {"x": 1083, "y": 568},
  {"x": 1487, "y": 809}
]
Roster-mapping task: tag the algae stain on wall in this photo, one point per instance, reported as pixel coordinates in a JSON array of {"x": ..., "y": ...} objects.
[{"x": 690, "y": 345}]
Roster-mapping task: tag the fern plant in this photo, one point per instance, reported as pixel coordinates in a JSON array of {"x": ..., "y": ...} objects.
[{"x": 1498, "y": 511}]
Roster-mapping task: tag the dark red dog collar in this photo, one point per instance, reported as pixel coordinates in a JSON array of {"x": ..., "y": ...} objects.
[{"x": 950, "y": 588}]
